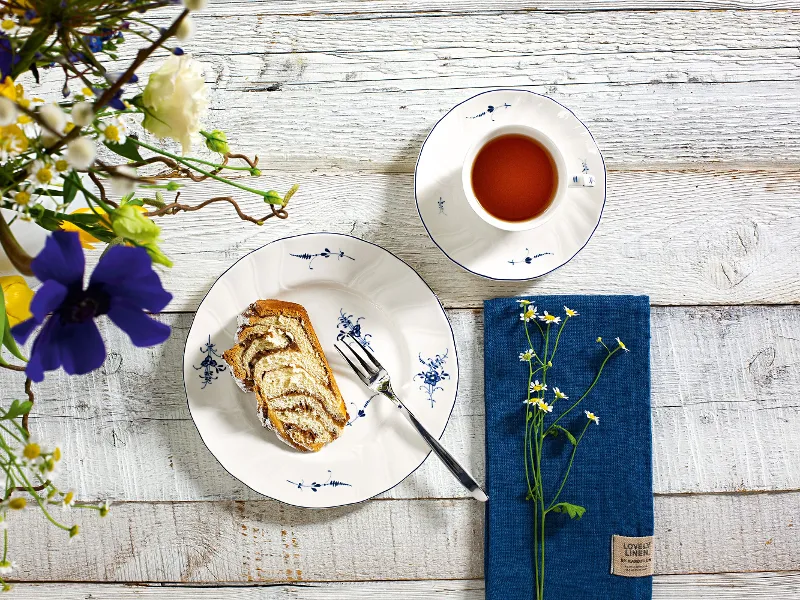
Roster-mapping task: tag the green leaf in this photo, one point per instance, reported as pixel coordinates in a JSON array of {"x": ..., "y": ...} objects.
[
  {"x": 71, "y": 186},
  {"x": 573, "y": 510},
  {"x": 17, "y": 409},
  {"x": 127, "y": 150},
  {"x": 6, "y": 339},
  {"x": 554, "y": 429}
]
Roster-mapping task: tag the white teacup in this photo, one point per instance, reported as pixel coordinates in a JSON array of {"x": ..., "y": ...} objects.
[{"x": 563, "y": 178}]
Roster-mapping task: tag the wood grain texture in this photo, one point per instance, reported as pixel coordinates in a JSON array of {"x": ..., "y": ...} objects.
[
  {"x": 253, "y": 541},
  {"x": 724, "y": 586},
  {"x": 712, "y": 86},
  {"x": 716, "y": 237},
  {"x": 724, "y": 412}
]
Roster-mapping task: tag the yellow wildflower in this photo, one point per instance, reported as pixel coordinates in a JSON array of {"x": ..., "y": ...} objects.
[
  {"x": 12, "y": 140},
  {"x": 18, "y": 298},
  {"x": 62, "y": 165},
  {"x": 8, "y": 89}
]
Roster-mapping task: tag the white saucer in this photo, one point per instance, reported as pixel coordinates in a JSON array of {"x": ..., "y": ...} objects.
[
  {"x": 345, "y": 284},
  {"x": 467, "y": 239}
]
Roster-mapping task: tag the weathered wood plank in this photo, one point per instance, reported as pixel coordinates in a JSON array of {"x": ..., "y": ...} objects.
[
  {"x": 682, "y": 238},
  {"x": 724, "y": 412},
  {"x": 377, "y": 8},
  {"x": 724, "y": 586},
  {"x": 220, "y": 542},
  {"x": 699, "y": 86}
]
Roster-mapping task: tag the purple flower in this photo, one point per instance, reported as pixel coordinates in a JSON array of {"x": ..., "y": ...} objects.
[
  {"x": 8, "y": 58},
  {"x": 123, "y": 286}
]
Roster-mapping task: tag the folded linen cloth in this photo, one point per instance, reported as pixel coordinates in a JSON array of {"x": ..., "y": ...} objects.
[{"x": 612, "y": 472}]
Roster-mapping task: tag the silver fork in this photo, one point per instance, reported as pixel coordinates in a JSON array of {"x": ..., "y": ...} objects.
[{"x": 377, "y": 379}]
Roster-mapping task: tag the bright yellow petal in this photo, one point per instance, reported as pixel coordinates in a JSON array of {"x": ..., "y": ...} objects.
[
  {"x": 18, "y": 298},
  {"x": 87, "y": 239},
  {"x": 8, "y": 89}
]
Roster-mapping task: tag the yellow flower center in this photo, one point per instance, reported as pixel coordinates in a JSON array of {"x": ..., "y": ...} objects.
[
  {"x": 44, "y": 175},
  {"x": 61, "y": 165},
  {"x": 57, "y": 454},
  {"x": 112, "y": 133},
  {"x": 31, "y": 451},
  {"x": 22, "y": 198},
  {"x": 68, "y": 498},
  {"x": 17, "y": 503},
  {"x": 7, "y": 25}
]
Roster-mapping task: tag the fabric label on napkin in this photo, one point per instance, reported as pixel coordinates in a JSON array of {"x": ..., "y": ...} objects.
[{"x": 631, "y": 556}]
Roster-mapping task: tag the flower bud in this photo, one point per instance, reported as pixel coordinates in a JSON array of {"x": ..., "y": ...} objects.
[
  {"x": 53, "y": 117},
  {"x": 81, "y": 153},
  {"x": 74, "y": 531},
  {"x": 128, "y": 222},
  {"x": 173, "y": 186},
  {"x": 195, "y": 4},
  {"x": 83, "y": 114},
  {"x": 17, "y": 503},
  {"x": 123, "y": 183},
  {"x": 217, "y": 141},
  {"x": 273, "y": 197},
  {"x": 185, "y": 29}
]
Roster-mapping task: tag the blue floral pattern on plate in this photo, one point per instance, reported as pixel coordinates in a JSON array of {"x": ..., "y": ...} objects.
[
  {"x": 441, "y": 206},
  {"x": 314, "y": 486},
  {"x": 528, "y": 258},
  {"x": 326, "y": 253},
  {"x": 362, "y": 412},
  {"x": 209, "y": 365},
  {"x": 433, "y": 374},
  {"x": 349, "y": 324}
]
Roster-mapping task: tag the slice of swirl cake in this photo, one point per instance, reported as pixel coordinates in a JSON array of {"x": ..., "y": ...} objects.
[{"x": 278, "y": 356}]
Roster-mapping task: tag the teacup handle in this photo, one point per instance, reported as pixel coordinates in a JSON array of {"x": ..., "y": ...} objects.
[{"x": 583, "y": 180}]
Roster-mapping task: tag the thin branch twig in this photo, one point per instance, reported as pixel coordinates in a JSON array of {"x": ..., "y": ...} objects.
[{"x": 176, "y": 207}]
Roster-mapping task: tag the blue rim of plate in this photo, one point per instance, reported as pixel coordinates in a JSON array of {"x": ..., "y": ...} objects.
[
  {"x": 289, "y": 237},
  {"x": 599, "y": 218}
]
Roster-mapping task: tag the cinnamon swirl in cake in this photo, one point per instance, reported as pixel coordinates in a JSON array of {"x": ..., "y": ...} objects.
[{"x": 278, "y": 357}]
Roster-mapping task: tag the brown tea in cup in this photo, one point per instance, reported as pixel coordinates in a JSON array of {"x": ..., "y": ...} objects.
[{"x": 514, "y": 177}]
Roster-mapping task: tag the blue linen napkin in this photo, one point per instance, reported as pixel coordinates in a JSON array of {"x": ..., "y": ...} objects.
[{"x": 612, "y": 472}]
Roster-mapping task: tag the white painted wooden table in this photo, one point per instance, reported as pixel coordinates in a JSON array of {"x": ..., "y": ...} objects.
[{"x": 696, "y": 107}]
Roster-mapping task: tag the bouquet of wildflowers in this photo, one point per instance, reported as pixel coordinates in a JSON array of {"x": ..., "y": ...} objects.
[
  {"x": 542, "y": 424},
  {"x": 94, "y": 167}
]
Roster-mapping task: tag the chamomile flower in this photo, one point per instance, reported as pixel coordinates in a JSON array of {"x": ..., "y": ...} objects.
[
  {"x": 62, "y": 165},
  {"x": 544, "y": 406},
  {"x": 527, "y": 356},
  {"x": 559, "y": 394},
  {"x": 113, "y": 132},
  {"x": 23, "y": 195},
  {"x": 570, "y": 312},
  {"x": 538, "y": 387},
  {"x": 7, "y": 566},
  {"x": 83, "y": 113},
  {"x": 548, "y": 318},
  {"x": 69, "y": 499},
  {"x": 528, "y": 314},
  {"x": 531, "y": 401},
  {"x": 54, "y": 118},
  {"x": 621, "y": 345},
  {"x": 523, "y": 302},
  {"x": 592, "y": 417},
  {"x": 42, "y": 173},
  {"x": 81, "y": 153},
  {"x": 104, "y": 508},
  {"x": 9, "y": 25}
]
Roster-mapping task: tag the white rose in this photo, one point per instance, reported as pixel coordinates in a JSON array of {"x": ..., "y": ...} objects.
[{"x": 176, "y": 99}]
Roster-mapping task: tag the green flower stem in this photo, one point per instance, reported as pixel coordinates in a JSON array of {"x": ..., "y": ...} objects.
[
  {"x": 185, "y": 162},
  {"x": 39, "y": 502},
  {"x": 569, "y": 466},
  {"x": 11, "y": 433},
  {"x": 586, "y": 393},
  {"x": 558, "y": 337}
]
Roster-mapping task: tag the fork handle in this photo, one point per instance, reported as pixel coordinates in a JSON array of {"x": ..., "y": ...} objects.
[{"x": 467, "y": 480}]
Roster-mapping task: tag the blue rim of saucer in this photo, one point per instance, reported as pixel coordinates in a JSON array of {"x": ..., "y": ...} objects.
[
  {"x": 288, "y": 237},
  {"x": 428, "y": 231}
]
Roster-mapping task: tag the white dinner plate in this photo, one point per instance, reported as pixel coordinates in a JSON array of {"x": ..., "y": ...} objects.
[
  {"x": 346, "y": 285},
  {"x": 471, "y": 242}
]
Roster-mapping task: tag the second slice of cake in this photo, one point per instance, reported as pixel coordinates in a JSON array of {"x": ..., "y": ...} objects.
[{"x": 278, "y": 356}]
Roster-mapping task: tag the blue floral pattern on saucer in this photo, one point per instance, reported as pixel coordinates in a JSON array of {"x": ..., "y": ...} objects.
[{"x": 528, "y": 258}]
